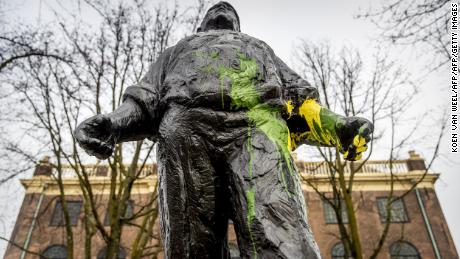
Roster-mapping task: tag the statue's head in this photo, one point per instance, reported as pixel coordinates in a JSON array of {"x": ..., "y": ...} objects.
[{"x": 221, "y": 16}]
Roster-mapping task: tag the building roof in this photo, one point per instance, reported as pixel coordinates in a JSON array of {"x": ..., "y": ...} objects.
[{"x": 369, "y": 175}]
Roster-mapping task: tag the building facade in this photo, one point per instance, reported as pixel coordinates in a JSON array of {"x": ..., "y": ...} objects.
[{"x": 418, "y": 228}]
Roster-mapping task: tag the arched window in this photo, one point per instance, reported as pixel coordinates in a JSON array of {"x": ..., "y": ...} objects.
[
  {"x": 338, "y": 251},
  {"x": 103, "y": 253},
  {"x": 403, "y": 250},
  {"x": 55, "y": 252}
]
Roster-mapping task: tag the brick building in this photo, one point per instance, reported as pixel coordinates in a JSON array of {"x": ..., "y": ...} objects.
[{"x": 418, "y": 228}]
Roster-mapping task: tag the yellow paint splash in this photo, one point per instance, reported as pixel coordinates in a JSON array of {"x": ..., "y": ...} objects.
[
  {"x": 289, "y": 107},
  {"x": 310, "y": 110},
  {"x": 321, "y": 123}
]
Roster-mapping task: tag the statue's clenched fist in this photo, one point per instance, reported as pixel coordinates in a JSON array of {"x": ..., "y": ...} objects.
[
  {"x": 354, "y": 133},
  {"x": 95, "y": 135}
]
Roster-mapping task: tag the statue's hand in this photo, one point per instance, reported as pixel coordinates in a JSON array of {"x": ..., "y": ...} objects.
[
  {"x": 95, "y": 135},
  {"x": 354, "y": 133}
]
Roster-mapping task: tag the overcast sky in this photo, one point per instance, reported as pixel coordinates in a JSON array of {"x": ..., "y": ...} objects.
[{"x": 282, "y": 24}]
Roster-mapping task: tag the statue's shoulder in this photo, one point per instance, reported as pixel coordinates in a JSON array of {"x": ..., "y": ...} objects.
[
  {"x": 220, "y": 38},
  {"x": 195, "y": 40},
  {"x": 218, "y": 34},
  {"x": 250, "y": 40}
]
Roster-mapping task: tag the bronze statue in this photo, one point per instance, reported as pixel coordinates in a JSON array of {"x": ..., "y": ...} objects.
[{"x": 226, "y": 112}]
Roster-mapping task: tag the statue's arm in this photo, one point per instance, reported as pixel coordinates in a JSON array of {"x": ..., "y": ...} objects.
[
  {"x": 295, "y": 88},
  {"x": 310, "y": 123},
  {"x": 135, "y": 119}
]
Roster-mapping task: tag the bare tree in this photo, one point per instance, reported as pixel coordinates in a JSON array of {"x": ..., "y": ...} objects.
[
  {"x": 15, "y": 47},
  {"x": 421, "y": 23},
  {"x": 92, "y": 69},
  {"x": 381, "y": 91}
]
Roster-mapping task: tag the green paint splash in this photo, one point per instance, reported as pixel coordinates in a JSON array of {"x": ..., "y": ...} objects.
[
  {"x": 251, "y": 200},
  {"x": 250, "y": 196},
  {"x": 329, "y": 121},
  {"x": 265, "y": 118},
  {"x": 245, "y": 95},
  {"x": 214, "y": 55},
  {"x": 243, "y": 91}
]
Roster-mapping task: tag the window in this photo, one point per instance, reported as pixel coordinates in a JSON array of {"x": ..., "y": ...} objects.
[
  {"x": 55, "y": 252},
  {"x": 103, "y": 253},
  {"x": 329, "y": 213},
  {"x": 403, "y": 250},
  {"x": 128, "y": 213},
  {"x": 398, "y": 211},
  {"x": 129, "y": 209},
  {"x": 338, "y": 251},
  {"x": 73, "y": 207}
]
